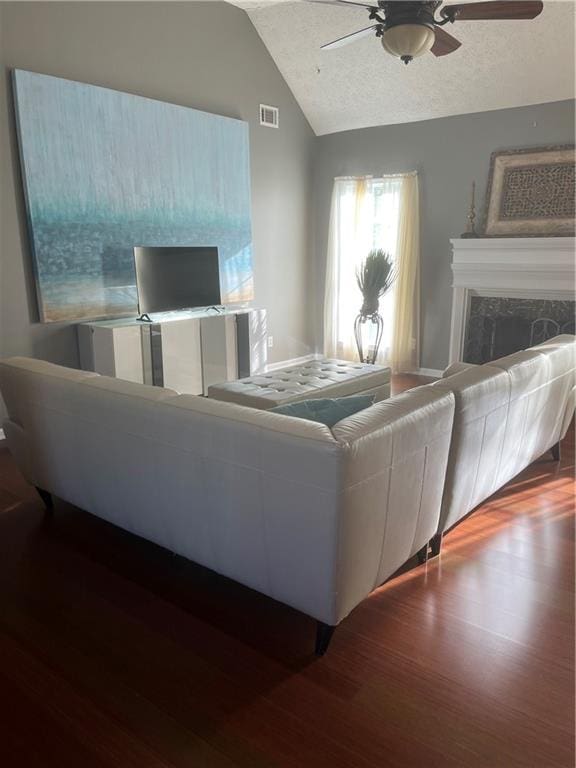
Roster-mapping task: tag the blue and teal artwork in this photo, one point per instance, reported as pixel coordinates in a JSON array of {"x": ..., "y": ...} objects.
[{"x": 106, "y": 171}]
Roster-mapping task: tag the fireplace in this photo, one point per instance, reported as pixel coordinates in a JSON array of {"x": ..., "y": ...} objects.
[
  {"x": 509, "y": 294},
  {"x": 499, "y": 326}
]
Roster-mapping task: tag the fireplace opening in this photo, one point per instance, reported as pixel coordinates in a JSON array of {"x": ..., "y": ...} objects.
[{"x": 499, "y": 326}]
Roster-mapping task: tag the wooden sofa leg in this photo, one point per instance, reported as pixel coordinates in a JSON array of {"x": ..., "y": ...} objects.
[
  {"x": 422, "y": 554},
  {"x": 436, "y": 544},
  {"x": 46, "y": 498},
  {"x": 324, "y": 634},
  {"x": 555, "y": 451}
]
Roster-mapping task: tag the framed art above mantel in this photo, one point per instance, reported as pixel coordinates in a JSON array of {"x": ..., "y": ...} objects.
[{"x": 531, "y": 193}]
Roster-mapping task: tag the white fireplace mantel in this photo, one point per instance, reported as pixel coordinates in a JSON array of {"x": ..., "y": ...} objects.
[{"x": 518, "y": 267}]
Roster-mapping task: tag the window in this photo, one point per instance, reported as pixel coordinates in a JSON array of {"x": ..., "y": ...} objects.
[{"x": 372, "y": 213}]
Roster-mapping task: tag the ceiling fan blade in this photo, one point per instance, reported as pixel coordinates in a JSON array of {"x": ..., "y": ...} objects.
[
  {"x": 349, "y": 38},
  {"x": 444, "y": 43},
  {"x": 343, "y": 3},
  {"x": 498, "y": 10}
]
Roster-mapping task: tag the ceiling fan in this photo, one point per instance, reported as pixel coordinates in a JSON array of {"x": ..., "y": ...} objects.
[{"x": 410, "y": 28}]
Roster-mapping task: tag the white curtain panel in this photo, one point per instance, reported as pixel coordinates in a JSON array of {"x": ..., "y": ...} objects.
[{"x": 369, "y": 213}]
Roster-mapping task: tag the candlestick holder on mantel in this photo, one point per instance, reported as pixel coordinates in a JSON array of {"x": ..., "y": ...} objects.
[{"x": 471, "y": 228}]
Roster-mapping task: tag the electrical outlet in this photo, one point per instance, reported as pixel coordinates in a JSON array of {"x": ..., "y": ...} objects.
[{"x": 270, "y": 342}]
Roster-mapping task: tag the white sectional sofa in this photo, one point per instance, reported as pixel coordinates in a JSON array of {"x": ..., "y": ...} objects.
[{"x": 313, "y": 517}]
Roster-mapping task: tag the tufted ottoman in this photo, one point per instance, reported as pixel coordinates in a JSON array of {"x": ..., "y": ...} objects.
[{"x": 317, "y": 378}]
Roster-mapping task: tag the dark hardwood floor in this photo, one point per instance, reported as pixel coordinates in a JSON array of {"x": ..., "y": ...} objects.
[{"x": 115, "y": 653}]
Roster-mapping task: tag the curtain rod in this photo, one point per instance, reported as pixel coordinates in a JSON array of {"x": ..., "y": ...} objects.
[{"x": 383, "y": 176}]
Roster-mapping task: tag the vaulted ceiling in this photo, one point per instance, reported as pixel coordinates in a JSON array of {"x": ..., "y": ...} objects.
[{"x": 500, "y": 64}]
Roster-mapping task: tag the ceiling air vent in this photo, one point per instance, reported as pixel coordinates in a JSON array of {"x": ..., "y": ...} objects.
[{"x": 269, "y": 116}]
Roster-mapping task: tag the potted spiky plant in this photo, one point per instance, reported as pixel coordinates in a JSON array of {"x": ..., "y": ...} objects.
[{"x": 375, "y": 277}]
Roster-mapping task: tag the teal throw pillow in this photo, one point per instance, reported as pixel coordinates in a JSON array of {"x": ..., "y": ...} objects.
[{"x": 327, "y": 411}]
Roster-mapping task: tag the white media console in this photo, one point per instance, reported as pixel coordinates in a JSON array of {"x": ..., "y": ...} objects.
[{"x": 186, "y": 351}]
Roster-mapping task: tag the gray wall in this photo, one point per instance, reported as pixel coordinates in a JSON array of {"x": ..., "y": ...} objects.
[
  {"x": 202, "y": 55},
  {"x": 448, "y": 154},
  {"x": 208, "y": 56}
]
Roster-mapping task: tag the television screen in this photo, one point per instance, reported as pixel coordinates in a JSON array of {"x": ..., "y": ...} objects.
[{"x": 182, "y": 277}]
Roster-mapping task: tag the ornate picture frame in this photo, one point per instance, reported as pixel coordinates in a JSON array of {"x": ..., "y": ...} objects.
[{"x": 531, "y": 193}]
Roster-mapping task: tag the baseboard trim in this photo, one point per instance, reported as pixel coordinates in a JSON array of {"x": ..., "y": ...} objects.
[
  {"x": 432, "y": 372},
  {"x": 294, "y": 361}
]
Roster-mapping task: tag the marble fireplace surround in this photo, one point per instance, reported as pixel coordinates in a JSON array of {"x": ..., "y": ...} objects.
[{"x": 510, "y": 267}]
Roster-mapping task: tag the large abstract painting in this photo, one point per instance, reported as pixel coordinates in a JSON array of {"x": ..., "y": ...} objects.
[{"x": 106, "y": 171}]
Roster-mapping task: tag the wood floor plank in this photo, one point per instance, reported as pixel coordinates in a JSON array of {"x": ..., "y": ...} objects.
[{"x": 31, "y": 738}]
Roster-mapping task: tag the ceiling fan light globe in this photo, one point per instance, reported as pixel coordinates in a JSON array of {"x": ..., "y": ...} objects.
[{"x": 408, "y": 40}]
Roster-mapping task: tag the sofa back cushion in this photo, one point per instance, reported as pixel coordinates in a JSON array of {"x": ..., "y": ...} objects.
[
  {"x": 27, "y": 382},
  {"x": 541, "y": 381},
  {"x": 561, "y": 352},
  {"x": 529, "y": 374},
  {"x": 478, "y": 437},
  {"x": 508, "y": 413},
  {"x": 83, "y": 436}
]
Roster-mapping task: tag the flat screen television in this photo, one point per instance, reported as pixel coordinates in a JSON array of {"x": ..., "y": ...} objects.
[{"x": 171, "y": 278}]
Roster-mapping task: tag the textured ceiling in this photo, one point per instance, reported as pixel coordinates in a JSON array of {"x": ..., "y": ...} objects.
[{"x": 500, "y": 64}]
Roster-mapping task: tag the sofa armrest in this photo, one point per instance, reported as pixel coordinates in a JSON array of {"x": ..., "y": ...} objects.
[{"x": 394, "y": 466}]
